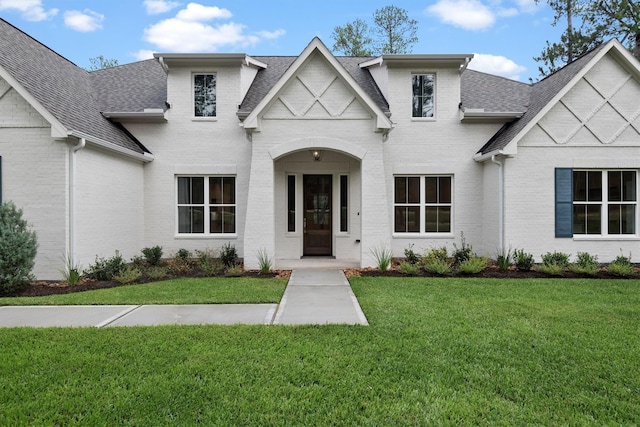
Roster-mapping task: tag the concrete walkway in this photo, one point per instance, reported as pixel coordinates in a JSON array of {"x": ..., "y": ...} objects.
[{"x": 311, "y": 297}]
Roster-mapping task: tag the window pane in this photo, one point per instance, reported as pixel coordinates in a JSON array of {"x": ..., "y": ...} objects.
[
  {"x": 216, "y": 217},
  {"x": 229, "y": 190},
  {"x": 190, "y": 219},
  {"x": 414, "y": 189},
  {"x": 407, "y": 219},
  {"x": 291, "y": 203},
  {"x": 191, "y": 190},
  {"x": 215, "y": 190},
  {"x": 431, "y": 219},
  {"x": 400, "y": 189},
  {"x": 622, "y": 219},
  {"x": 444, "y": 219},
  {"x": 579, "y": 186},
  {"x": 629, "y": 191},
  {"x": 229, "y": 219},
  {"x": 422, "y": 88},
  {"x": 594, "y": 222},
  {"x": 615, "y": 186},
  {"x": 586, "y": 219},
  {"x": 594, "y": 186},
  {"x": 445, "y": 189},
  {"x": 431, "y": 189},
  {"x": 344, "y": 203},
  {"x": 184, "y": 190},
  {"x": 437, "y": 219},
  {"x": 204, "y": 95}
]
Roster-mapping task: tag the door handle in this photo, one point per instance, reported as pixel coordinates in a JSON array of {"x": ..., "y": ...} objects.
[{"x": 304, "y": 225}]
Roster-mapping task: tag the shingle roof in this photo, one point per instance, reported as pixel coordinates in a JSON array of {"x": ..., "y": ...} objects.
[
  {"x": 493, "y": 93},
  {"x": 278, "y": 65},
  {"x": 542, "y": 93},
  {"x": 131, "y": 87},
  {"x": 63, "y": 88}
]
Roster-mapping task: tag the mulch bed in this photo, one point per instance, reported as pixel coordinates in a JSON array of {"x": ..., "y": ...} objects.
[{"x": 43, "y": 288}]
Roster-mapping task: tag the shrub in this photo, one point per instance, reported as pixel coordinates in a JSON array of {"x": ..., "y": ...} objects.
[
  {"x": 234, "y": 271},
  {"x": 228, "y": 255},
  {"x": 437, "y": 265},
  {"x": 473, "y": 265},
  {"x": 208, "y": 263},
  {"x": 464, "y": 252},
  {"x": 621, "y": 266},
  {"x": 383, "y": 256},
  {"x": 264, "y": 261},
  {"x": 156, "y": 273},
  {"x": 128, "y": 275},
  {"x": 183, "y": 255},
  {"x": 179, "y": 266},
  {"x": 18, "y": 248},
  {"x": 152, "y": 255},
  {"x": 440, "y": 253},
  {"x": 408, "y": 269},
  {"x": 106, "y": 269},
  {"x": 503, "y": 258},
  {"x": 556, "y": 258},
  {"x": 410, "y": 255},
  {"x": 585, "y": 264},
  {"x": 551, "y": 269},
  {"x": 523, "y": 260}
]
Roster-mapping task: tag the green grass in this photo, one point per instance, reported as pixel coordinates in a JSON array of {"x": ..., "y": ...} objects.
[
  {"x": 437, "y": 352},
  {"x": 179, "y": 291}
]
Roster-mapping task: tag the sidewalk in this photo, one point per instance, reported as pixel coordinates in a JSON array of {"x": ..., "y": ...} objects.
[{"x": 311, "y": 297}]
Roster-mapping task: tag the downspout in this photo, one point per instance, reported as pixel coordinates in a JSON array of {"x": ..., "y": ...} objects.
[
  {"x": 500, "y": 203},
  {"x": 72, "y": 199}
]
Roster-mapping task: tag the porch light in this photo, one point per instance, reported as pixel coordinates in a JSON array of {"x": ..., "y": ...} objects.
[{"x": 317, "y": 155}]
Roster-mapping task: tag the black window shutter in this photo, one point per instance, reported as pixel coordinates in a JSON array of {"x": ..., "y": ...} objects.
[{"x": 564, "y": 202}]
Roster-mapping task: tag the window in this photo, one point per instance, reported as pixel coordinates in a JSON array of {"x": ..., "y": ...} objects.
[
  {"x": 214, "y": 214},
  {"x": 604, "y": 202},
  {"x": 344, "y": 203},
  {"x": 422, "y": 204},
  {"x": 291, "y": 203},
  {"x": 204, "y": 95},
  {"x": 423, "y": 95}
]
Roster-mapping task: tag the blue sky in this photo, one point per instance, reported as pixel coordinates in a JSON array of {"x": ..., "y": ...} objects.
[{"x": 504, "y": 35}]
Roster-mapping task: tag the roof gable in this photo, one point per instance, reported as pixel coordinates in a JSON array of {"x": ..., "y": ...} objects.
[
  {"x": 58, "y": 89},
  {"x": 317, "y": 53},
  {"x": 549, "y": 92}
]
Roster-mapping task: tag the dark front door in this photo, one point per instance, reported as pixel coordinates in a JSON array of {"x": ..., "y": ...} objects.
[{"x": 317, "y": 214}]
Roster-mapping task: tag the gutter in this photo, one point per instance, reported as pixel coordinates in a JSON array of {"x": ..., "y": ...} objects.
[
  {"x": 82, "y": 142},
  {"x": 500, "y": 203},
  {"x": 145, "y": 157}
]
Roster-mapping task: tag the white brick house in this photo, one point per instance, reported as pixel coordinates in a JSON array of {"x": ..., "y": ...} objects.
[{"x": 317, "y": 156}]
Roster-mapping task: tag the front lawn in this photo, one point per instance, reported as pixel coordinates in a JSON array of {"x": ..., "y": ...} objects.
[
  {"x": 437, "y": 352},
  {"x": 203, "y": 290}
]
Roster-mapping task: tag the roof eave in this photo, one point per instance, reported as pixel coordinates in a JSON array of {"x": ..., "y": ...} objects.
[
  {"x": 139, "y": 117},
  {"x": 471, "y": 116},
  {"x": 145, "y": 157}
]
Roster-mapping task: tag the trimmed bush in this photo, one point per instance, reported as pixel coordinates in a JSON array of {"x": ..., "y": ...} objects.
[
  {"x": 523, "y": 260},
  {"x": 128, "y": 275},
  {"x": 473, "y": 265},
  {"x": 408, "y": 269},
  {"x": 106, "y": 269},
  {"x": 437, "y": 266},
  {"x": 18, "y": 248},
  {"x": 152, "y": 255},
  {"x": 621, "y": 266},
  {"x": 585, "y": 264},
  {"x": 556, "y": 258}
]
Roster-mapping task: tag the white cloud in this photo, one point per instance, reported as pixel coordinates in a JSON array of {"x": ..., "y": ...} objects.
[
  {"x": 198, "y": 13},
  {"x": 191, "y": 31},
  {"x": 85, "y": 21},
  {"x": 143, "y": 54},
  {"x": 496, "y": 65},
  {"x": 31, "y": 10},
  {"x": 155, "y": 7},
  {"x": 467, "y": 14}
]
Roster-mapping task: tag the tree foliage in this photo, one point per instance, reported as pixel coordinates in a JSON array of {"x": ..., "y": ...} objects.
[
  {"x": 352, "y": 39},
  {"x": 100, "y": 63},
  {"x": 18, "y": 247},
  {"x": 598, "y": 21},
  {"x": 392, "y": 31}
]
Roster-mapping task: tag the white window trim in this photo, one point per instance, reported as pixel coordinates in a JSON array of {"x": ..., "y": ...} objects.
[
  {"x": 604, "y": 203},
  {"x": 207, "y": 224},
  {"x": 435, "y": 97},
  {"x": 195, "y": 118},
  {"x": 422, "y": 204}
]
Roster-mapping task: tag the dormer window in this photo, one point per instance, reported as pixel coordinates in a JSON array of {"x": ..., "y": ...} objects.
[
  {"x": 204, "y": 95},
  {"x": 423, "y": 95}
]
